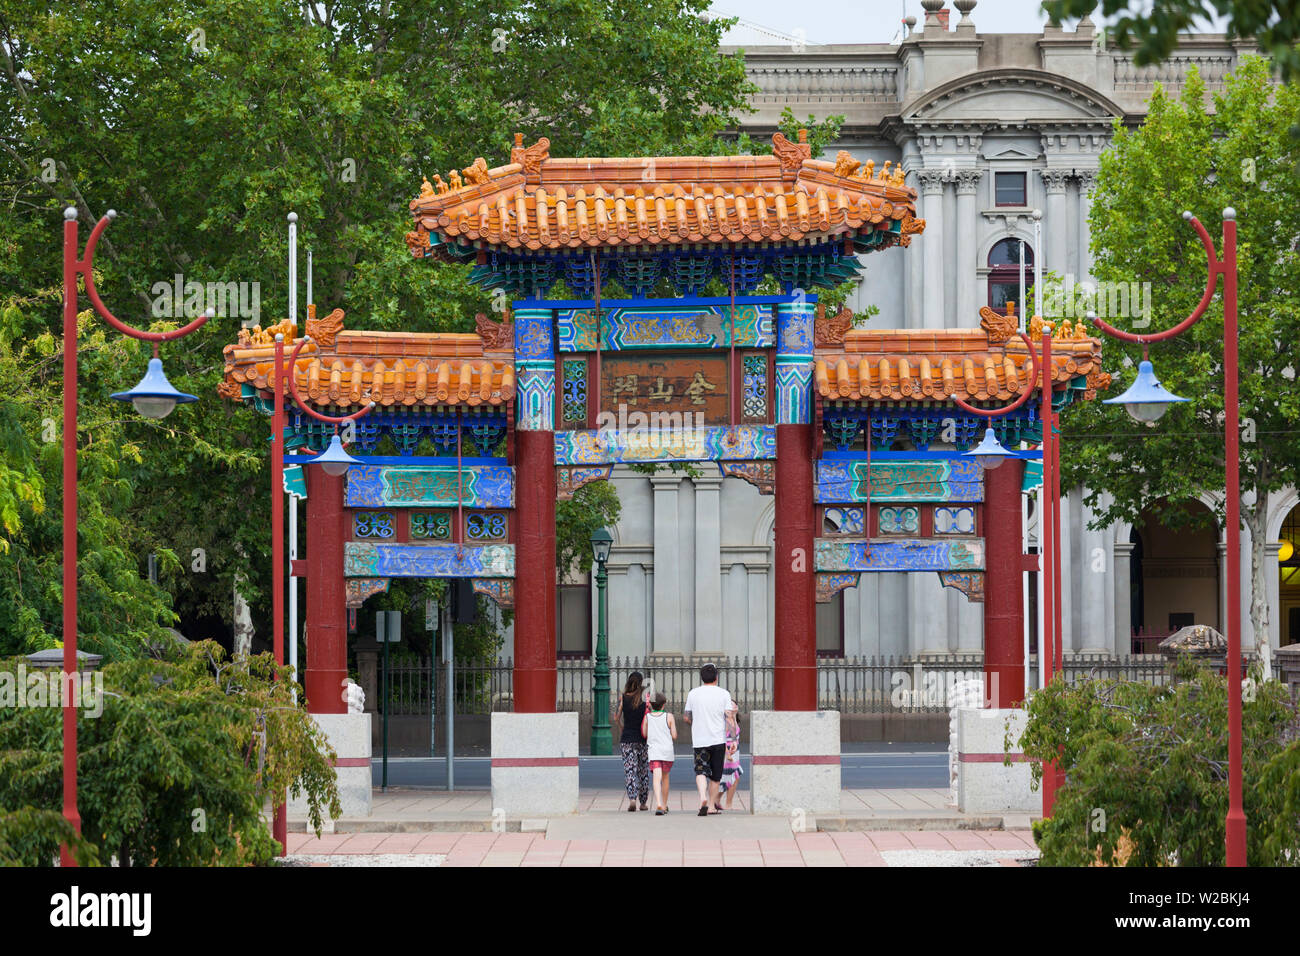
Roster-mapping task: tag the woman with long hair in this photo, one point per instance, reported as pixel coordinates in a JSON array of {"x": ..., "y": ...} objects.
[{"x": 636, "y": 761}]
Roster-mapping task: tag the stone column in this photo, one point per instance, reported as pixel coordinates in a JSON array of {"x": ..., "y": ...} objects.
[
  {"x": 759, "y": 628},
  {"x": 795, "y": 579},
  {"x": 534, "y": 677},
  {"x": 327, "y": 612},
  {"x": 968, "y": 181},
  {"x": 932, "y": 195},
  {"x": 1055, "y": 222},
  {"x": 708, "y": 563},
  {"x": 1272, "y": 574},
  {"x": 1087, "y": 180},
  {"x": 1097, "y": 637},
  {"x": 667, "y": 634},
  {"x": 1123, "y": 567}
]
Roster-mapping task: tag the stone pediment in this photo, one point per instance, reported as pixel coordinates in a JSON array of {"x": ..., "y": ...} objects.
[{"x": 1010, "y": 96}]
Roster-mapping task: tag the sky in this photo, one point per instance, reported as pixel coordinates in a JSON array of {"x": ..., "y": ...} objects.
[{"x": 873, "y": 21}]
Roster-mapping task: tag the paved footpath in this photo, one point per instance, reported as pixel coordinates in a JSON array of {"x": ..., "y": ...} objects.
[
  {"x": 877, "y": 848},
  {"x": 876, "y": 828}
]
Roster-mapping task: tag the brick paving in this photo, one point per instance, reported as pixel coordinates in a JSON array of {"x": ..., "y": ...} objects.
[{"x": 940, "y": 847}]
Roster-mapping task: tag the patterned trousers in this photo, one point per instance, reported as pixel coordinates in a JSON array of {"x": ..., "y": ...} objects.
[{"x": 636, "y": 771}]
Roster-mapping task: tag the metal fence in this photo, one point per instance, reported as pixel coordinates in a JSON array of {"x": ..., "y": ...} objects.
[{"x": 850, "y": 685}]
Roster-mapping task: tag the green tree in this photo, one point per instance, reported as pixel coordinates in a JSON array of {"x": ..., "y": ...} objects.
[
  {"x": 204, "y": 122},
  {"x": 1186, "y": 158},
  {"x": 1154, "y": 25}
]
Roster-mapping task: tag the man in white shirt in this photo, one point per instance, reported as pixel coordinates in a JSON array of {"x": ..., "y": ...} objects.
[{"x": 706, "y": 712}]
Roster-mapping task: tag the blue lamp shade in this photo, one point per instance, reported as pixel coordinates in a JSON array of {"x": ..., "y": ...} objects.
[
  {"x": 154, "y": 396},
  {"x": 1146, "y": 399},
  {"x": 989, "y": 453},
  {"x": 334, "y": 460}
]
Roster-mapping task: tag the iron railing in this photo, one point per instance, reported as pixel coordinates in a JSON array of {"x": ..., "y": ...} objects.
[{"x": 850, "y": 685}]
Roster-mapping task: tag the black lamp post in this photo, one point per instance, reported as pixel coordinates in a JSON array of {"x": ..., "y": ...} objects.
[{"x": 602, "y": 740}]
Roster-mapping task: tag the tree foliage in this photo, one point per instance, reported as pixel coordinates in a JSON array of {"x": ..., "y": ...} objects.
[
  {"x": 1186, "y": 158},
  {"x": 203, "y": 122},
  {"x": 1154, "y": 25},
  {"x": 1146, "y": 771},
  {"x": 178, "y": 768}
]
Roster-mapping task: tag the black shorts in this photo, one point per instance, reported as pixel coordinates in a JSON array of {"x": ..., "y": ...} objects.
[{"x": 709, "y": 760}]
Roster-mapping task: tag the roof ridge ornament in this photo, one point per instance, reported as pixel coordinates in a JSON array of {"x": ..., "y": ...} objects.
[
  {"x": 791, "y": 154},
  {"x": 531, "y": 157}
]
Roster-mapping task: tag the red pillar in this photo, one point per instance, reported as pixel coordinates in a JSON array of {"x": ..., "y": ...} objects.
[
  {"x": 534, "y": 678},
  {"x": 1004, "y": 620},
  {"x": 327, "y": 611},
  {"x": 796, "y": 591}
]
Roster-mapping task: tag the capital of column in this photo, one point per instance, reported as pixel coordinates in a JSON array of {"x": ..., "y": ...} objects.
[
  {"x": 665, "y": 482},
  {"x": 968, "y": 181},
  {"x": 1054, "y": 180},
  {"x": 1087, "y": 179},
  {"x": 932, "y": 181}
]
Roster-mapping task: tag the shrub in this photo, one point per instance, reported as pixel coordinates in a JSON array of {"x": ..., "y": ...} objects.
[{"x": 1146, "y": 771}]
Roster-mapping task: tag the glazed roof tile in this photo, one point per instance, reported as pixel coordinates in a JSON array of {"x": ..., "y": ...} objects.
[
  {"x": 348, "y": 368},
  {"x": 935, "y": 364},
  {"x": 538, "y": 203}
]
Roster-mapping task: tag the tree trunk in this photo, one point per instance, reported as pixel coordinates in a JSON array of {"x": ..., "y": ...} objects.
[{"x": 1256, "y": 517}]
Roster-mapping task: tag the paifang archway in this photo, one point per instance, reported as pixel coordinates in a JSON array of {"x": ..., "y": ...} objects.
[{"x": 556, "y": 393}]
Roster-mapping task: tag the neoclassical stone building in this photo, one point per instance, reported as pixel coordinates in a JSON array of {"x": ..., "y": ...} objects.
[{"x": 989, "y": 127}]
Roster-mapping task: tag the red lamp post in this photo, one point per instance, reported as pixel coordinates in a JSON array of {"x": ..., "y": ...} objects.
[
  {"x": 1235, "y": 823},
  {"x": 150, "y": 402},
  {"x": 1007, "y": 696},
  {"x": 279, "y": 379}
]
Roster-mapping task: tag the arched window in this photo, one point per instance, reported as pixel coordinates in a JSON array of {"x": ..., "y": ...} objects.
[{"x": 1004, "y": 273}]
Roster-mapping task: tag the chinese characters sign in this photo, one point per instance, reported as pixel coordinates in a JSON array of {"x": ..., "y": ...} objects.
[{"x": 688, "y": 384}]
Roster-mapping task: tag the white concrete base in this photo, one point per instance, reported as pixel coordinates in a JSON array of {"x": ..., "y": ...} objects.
[
  {"x": 535, "y": 764},
  {"x": 349, "y": 735},
  {"x": 796, "y": 761},
  {"x": 985, "y": 784}
]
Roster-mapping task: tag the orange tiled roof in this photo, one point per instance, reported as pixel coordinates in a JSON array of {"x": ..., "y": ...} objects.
[
  {"x": 343, "y": 368},
  {"x": 933, "y": 364},
  {"x": 536, "y": 202}
]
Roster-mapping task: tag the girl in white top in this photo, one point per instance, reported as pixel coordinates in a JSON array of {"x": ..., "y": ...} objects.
[{"x": 659, "y": 730}]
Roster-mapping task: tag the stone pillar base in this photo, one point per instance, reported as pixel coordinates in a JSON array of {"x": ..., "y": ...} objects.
[
  {"x": 796, "y": 761},
  {"x": 985, "y": 784},
  {"x": 349, "y": 735},
  {"x": 535, "y": 764}
]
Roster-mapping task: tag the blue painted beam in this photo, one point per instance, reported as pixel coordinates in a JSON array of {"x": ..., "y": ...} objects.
[
  {"x": 402, "y": 460},
  {"x": 917, "y": 455},
  {"x": 684, "y": 301}
]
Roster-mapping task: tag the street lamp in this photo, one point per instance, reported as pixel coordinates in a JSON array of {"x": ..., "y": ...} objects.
[
  {"x": 1146, "y": 399},
  {"x": 1235, "y": 822},
  {"x": 334, "y": 461},
  {"x": 602, "y": 740},
  {"x": 990, "y": 453},
  {"x": 154, "y": 397}
]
